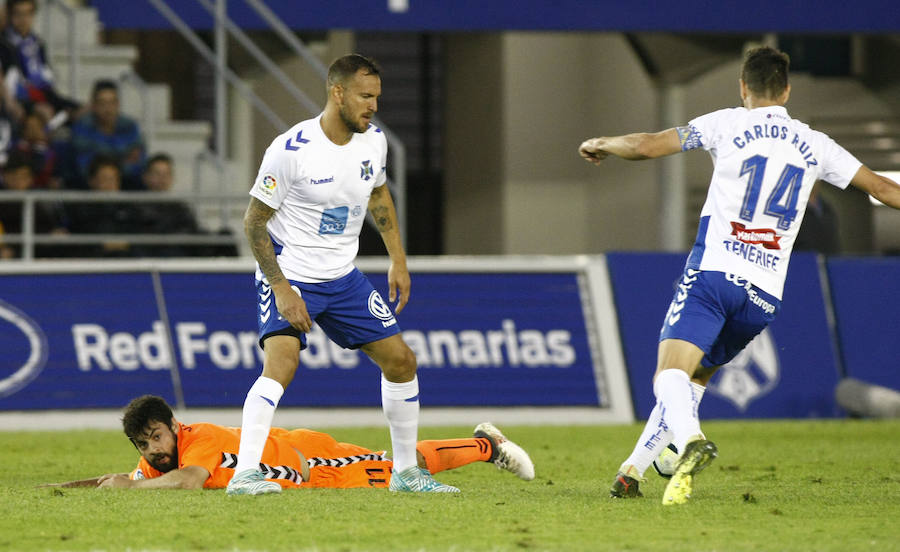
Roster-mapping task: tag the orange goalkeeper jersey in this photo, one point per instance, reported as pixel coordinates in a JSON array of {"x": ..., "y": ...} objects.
[{"x": 332, "y": 464}]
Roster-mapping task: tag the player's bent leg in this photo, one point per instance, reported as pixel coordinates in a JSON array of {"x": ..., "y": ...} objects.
[
  {"x": 697, "y": 455},
  {"x": 281, "y": 357},
  {"x": 394, "y": 357},
  {"x": 400, "y": 401},
  {"x": 506, "y": 455},
  {"x": 680, "y": 354}
]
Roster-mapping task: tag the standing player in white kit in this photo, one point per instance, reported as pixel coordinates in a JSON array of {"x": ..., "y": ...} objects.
[
  {"x": 765, "y": 165},
  {"x": 308, "y": 204}
]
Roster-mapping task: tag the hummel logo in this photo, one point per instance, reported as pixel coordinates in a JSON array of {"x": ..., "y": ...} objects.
[
  {"x": 264, "y": 317},
  {"x": 265, "y": 306},
  {"x": 266, "y": 295}
]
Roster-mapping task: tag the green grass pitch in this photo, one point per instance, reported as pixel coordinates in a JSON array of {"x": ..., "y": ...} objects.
[{"x": 777, "y": 485}]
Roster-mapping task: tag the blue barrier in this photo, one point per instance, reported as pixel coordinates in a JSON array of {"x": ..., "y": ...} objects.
[
  {"x": 497, "y": 339},
  {"x": 511, "y": 334},
  {"x": 866, "y": 295},
  {"x": 788, "y": 372}
]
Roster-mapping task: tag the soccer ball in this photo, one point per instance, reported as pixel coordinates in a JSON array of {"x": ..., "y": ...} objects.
[{"x": 665, "y": 462}]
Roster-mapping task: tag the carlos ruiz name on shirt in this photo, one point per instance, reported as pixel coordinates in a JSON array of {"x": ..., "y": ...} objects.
[{"x": 776, "y": 132}]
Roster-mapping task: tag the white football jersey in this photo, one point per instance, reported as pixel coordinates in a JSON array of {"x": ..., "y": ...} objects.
[
  {"x": 765, "y": 165},
  {"x": 320, "y": 192}
]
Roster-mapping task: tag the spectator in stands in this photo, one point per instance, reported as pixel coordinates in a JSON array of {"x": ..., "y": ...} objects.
[
  {"x": 819, "y": 230},
  {"x": 48, "y": 215},
  {"x": 164, "y": 217},
  {"x": 26, "y": 69},
  {"x": 106, "y": 131},
  {"x": 172, "y": 217},
  {"x": 104, "y": 175},
  {"x": 34, "y": 144}
]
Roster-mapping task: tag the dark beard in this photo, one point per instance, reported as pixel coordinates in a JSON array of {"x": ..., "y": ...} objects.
[
  {"x": 351, "y": 124},
  {"x": 168, "y": 466}
]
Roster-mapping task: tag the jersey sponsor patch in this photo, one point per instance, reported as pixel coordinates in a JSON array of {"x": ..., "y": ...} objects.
[
  {"x": 767, "y": 237},
  {"x": 689, "y": 137},
  {"x": 334, "y": 220},
  {"x": 267, "y": 185}
]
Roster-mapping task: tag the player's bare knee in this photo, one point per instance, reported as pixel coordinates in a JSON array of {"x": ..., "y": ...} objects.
[{"x": 401, "y": 367}]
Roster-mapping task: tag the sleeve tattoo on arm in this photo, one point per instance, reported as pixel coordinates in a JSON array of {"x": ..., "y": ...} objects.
[
  {"x": 382, "y": 217},
  {"x": 380, "y": 209},
  {"x": 258, "y": 214}
]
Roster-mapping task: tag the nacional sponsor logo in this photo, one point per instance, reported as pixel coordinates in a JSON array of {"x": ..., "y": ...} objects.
[
  {"x": 24, "y": 349},
  {"x": 197, "y": 346},
  {"x": 767, "y": 237},
  {"x": 315, "y": 181},
  {"x": 754, "y": 372}
]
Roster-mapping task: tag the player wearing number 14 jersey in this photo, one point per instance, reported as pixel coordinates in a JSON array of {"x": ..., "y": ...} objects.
[{"x": 764, "y": 166}]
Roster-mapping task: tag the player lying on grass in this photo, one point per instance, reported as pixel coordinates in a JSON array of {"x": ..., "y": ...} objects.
[{"x": 191, "y": 456}]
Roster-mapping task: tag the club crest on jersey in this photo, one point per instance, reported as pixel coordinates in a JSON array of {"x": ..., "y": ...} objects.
[
  {"x": 380, "y": 309},
  {"x": 754, "y": 372},
  {"x": 767, "y": 237},
  {"x": 366, "y": 171}
]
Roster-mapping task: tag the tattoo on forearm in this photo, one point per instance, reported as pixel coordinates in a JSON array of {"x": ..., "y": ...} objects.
[
  {"x": 260, "y": 243},
  {"x": 382, "y": 216}
]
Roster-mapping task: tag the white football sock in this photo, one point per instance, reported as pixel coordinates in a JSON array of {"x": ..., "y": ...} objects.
[
  {"x": 655, "y": 438},
  {"x": 401, "y": 408},
  {"x": 259, "y": 408},
  {"x": 676, "y": 394}
]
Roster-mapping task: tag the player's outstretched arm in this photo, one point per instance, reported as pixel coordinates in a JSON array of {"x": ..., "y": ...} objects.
[
  {"x": 880, "y": 187},
  {"x": 288, "y": 303},
  {"x": 188, "y": 477},
  {"x": 92, "y": 482},
  {"x": 381, "y": 207},
  {"x": 633, "y": 147}
]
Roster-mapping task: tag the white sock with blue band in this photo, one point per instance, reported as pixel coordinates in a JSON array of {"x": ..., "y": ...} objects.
[
  {"x": 256, "y": 422},
  {"x": 400, "y": 402}
]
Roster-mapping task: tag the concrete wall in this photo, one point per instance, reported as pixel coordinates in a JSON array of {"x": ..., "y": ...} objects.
[{"x": 519, "y": 104}]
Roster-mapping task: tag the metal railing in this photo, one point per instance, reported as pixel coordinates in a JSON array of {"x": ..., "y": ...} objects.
[
  {"x": 216, "y": 60},
  {"x": 71, "y": 37},
  {"x": 397, "y": 148},
  {"x": 28, "y": 238}
]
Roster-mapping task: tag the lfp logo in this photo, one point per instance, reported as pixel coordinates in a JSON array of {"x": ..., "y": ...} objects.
[
  {"x": 24, "y": 347},
  {"x": 366, "y": 171}
]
